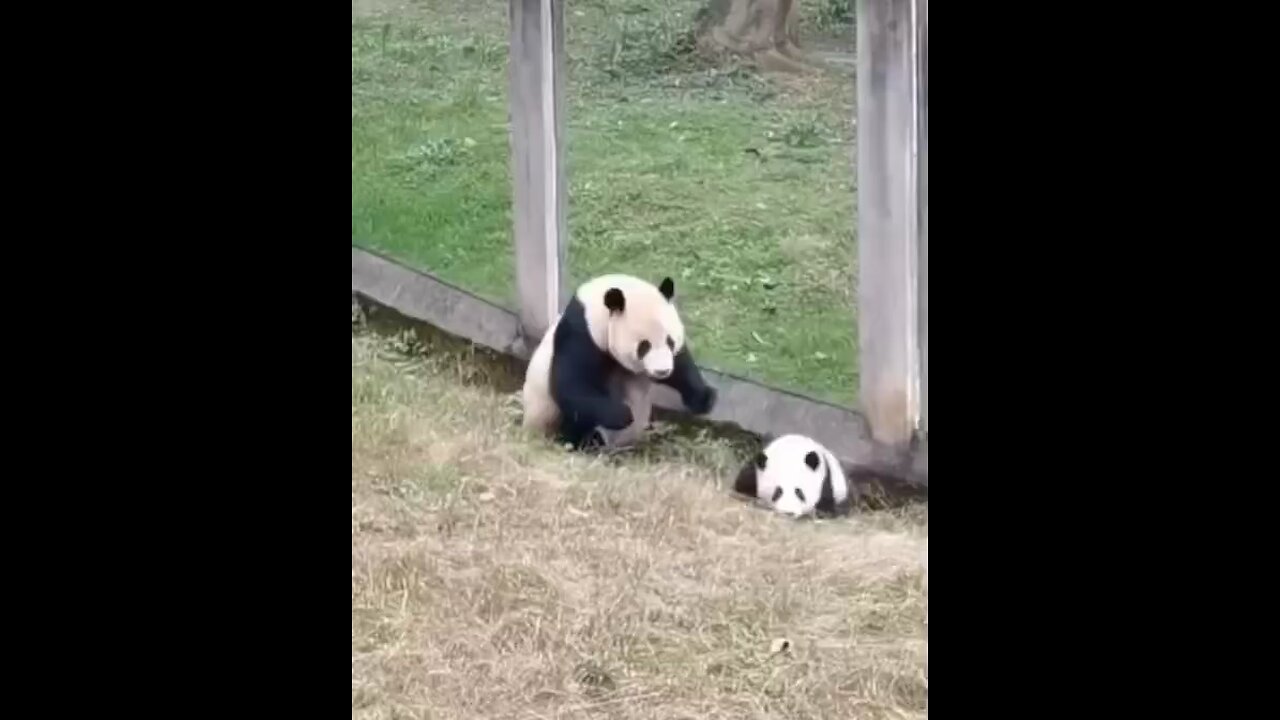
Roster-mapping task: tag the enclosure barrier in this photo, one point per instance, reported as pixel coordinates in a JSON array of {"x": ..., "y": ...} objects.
[{"x": 891, "y": 435}]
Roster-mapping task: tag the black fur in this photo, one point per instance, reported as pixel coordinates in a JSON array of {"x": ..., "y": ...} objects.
[
  {"x": 614, "y": 300},
  {"x": 580, "y": 373},
  {"x": 827, "y": 505},
  {"x": 687, "y": 380},
  {"x": 746, "y": 482},
  {"x": 685, "y": 377}
]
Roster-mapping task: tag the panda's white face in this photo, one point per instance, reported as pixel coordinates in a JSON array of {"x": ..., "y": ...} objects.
[
  {"x": 645, "y": 331},
  {"x": 790, "y": 473}
]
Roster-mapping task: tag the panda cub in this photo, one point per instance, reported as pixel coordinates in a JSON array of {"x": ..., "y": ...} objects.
[
  {"x": 589, "y": 380},
  {"x": 795, "y": 475}
]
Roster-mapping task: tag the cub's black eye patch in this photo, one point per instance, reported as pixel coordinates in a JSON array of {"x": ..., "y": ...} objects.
[
  {"x": 643, "y": 348},
  {"x": 811, "y": 460},
  {"x": 777, "y": 494},
  {"x": 671, "y": 343},
  {"x": 800, "y": 494}
]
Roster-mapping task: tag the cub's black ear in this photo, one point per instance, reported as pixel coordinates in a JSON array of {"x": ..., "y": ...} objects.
[
  {"x": 615, "y": 301},
  {"x": 667, "y": 288},
  {"x": 811, "y": 460},
  {"x": 762, "y": 460},
  {"x": 746, "y": 482}
]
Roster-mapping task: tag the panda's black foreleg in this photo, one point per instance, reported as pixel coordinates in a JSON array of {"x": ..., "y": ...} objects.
[
  {"x": 581, "y": 435},
  {"x": 580, "y": 385},
  {"x": 686, "y": 379},
  {"x": 582, "y": 413}
]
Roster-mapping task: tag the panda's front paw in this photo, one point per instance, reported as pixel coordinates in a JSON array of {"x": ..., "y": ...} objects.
[
  {"x": 594, "y": 441},
  {"x": 703, "y": 402}
]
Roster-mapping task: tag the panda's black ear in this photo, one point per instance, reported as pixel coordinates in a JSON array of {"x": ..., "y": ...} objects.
[
  {"x": 615, "y": 301},
  {"x": 761, "y": 460},
  {"x": 667, "y": 288},
  {"x": 811, "y": 460}
]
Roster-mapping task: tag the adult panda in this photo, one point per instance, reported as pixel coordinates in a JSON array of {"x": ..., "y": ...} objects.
[
  {"x": 795, "y": 475},
  {"x": 589, "y": 380}
]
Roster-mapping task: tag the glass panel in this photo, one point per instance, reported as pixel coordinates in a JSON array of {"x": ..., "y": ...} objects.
[
  {"x": 736, "y": 182},
  {"x": 429, "y": 143}
]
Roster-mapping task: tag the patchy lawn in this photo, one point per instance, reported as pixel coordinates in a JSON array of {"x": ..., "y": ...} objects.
[{"x": 495, "y": 575}]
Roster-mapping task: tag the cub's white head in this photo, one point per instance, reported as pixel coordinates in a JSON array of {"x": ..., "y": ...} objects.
[{"x": 795, "y": 475}]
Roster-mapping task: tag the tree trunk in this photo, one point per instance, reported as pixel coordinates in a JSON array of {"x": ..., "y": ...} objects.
[{"x": 761, "y": 30}]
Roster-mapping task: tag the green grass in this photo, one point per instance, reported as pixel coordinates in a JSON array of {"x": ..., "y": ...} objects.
[{"x": 740, "y": 187}]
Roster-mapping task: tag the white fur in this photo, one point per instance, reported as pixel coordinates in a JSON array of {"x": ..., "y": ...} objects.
[
  {"x": 540, "y": 409},
  {"x": 647, "y": 316},
  {"x": 785, "y": 468}
]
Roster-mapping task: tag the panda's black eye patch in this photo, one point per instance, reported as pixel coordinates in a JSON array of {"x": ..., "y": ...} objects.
[
  {"x": 671, "y": 343},
  {"x": 800, "y": 494},
  {"x": 643, "y": 348},
  {"x": 811, "y": 460},
  {"x": 777, "y": 494}
]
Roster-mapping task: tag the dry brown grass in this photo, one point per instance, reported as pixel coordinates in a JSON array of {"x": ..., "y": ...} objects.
[{"x": 496, "y": 576}]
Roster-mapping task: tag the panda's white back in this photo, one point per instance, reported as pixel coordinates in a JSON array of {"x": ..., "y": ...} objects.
[{"x": 839, "y": 482}]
